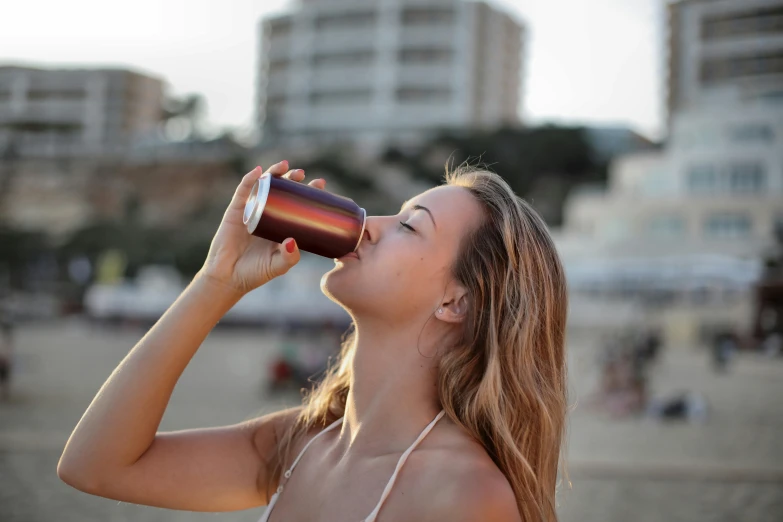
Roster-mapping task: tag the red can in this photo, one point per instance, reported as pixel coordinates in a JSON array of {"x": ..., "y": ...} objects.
[{"x": 322, "y": 223}]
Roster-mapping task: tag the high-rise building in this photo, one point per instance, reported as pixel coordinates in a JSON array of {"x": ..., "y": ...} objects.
[
  {"x": 724, "y": 51},
  {"x": 687, "y": 228},
  {"x": 716, "y": 189},
  {"x": 375, "y": 69},
  {"x": 64, "y": 111}
]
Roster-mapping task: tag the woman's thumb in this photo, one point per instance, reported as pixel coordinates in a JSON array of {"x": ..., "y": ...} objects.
[{"x": 289, "y": 256}]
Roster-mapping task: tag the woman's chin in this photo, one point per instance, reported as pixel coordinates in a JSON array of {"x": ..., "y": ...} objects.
[{"x": 334, "y": 285}]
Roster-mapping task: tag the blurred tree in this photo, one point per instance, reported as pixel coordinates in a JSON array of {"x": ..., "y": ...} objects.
[
  {"x": 18, "y": 251},
  {"x": 189, "y": 255},
  {"x": 8, "y": 169},
  {"x": 186, "y": 113},
  {"x": 140, "y": 245},
  {"x": 541, "y": 162},
  {"x": 340, "y": 168}
]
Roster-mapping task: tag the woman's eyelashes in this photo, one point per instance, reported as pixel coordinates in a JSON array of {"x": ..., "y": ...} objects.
[{"x": 407, "y": 226}]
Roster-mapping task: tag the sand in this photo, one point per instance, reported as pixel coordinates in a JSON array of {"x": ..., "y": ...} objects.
[{"x": 727, "y": 469}]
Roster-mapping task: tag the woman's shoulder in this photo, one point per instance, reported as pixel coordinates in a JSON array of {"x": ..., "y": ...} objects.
[{"x": 457, "y": 480}]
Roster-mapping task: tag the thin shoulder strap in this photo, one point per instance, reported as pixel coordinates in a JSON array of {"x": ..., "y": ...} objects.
[
  {"x": 301, "y": 453},
  {"x": 287, "y": 474},
  {"x": 372, "y": 516}
]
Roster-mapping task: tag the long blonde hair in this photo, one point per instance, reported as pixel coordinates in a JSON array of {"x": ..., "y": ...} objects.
[{"x": 504, "y": 382}]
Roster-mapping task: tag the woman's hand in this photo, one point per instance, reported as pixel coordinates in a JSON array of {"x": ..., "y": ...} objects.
[{"x": 241, "y": 261}]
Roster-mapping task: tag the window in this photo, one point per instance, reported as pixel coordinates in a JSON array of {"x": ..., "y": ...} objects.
[
  {"x": 752, "y": 133},
  {"x": 344, "y": 20},
  {"x": 418, "y": 94},
  {"x": 726, "y": 225},
  {"x": 746, "y": 178},
  {"x": 278, "y": 67},
  {"x": 424, "y": 55},
  {"x": 777, "y": 227},
  {"x": 37, "y": 95},
  {"x": 720, "y": 69},
  {"x": 278, "y": 100},
  {"x": 666, "y": 227},
  {"x": 338, "y": 59},
  {"x": 748, "y": 23},
  {"x": 427, "y": 15},
  {"x": 702, "y": 179},
  {"x": 281, "y": 27},
  {"x": 348, "y": 96}
]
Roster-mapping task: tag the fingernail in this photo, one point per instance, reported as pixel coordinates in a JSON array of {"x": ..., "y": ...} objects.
[{"x": 290, "y": 244}]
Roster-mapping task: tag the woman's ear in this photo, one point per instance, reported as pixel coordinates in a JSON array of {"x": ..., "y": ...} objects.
[{"x": 455, "y": 307}]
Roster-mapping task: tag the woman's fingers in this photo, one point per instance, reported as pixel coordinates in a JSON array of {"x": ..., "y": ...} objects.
[
  {"x": 243, "y": 190},
  {"x": 295, "y": 175},
  {"x": 289, "y": 256},
  {"x": 319, "y": 183},
  {"x": 278, "y": 169}
]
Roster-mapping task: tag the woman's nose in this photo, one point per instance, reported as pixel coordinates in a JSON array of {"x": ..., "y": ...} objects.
[
  {"x": 375, "y": 226},
  {"x": 370, "y": 229}
]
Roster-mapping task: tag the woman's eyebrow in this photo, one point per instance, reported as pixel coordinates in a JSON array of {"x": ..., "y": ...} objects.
[{"x": 420, "y": 207}]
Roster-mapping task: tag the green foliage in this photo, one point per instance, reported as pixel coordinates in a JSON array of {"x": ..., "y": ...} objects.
[
  {"x": 141, "y": 245},
  {"x": 340, "y": 169},
  {"x": 540, "y": 161},
  {"x": 18, "y": 250}
]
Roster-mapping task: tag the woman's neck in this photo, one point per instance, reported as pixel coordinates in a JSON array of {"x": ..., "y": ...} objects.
[{"x": 393, "y": 393}]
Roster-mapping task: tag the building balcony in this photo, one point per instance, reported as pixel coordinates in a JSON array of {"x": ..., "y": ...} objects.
[
  {"x": 420, "y": 115},
  {"x": 414, "y": 75},
  {"x": 428, "y": 36},
  {"x": 359, "y": 76},
  {"x": 750, "y": 45},
  {"x": 277, "y": 84},
  {"x": 345, "y": 40},
  {"x": 277, "y": 49},
  {"x": 44, "y": 112},
  {"x": 60, "y": 81}
]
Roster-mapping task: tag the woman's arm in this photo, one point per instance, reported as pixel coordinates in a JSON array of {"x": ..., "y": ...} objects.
[{"x": 115, "y": 450}]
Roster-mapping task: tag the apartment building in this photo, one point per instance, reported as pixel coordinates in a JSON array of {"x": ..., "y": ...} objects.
[
  {"x": 379, "y": 69},
  {"x": 56, "y": 112},
  {"x": 724, "y": 51},
  {"x": 688, "y": 227}
]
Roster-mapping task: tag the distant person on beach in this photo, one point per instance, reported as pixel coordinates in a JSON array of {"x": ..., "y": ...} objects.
[
  {"x": 454, "y": 368},
  {"x": 722, "y": 350},
  {"x": 623, "y": 384},
  {"x": 6, "y": 357}
]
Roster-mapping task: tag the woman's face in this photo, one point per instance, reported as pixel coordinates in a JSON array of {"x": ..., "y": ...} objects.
[{"x": 404, "y": 261}]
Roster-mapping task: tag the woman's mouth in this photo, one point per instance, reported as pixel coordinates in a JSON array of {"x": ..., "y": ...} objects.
[{"x": 349, "y": 255}]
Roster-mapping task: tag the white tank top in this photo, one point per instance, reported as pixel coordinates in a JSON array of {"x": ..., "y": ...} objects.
[{"x": 374, "y": 514}]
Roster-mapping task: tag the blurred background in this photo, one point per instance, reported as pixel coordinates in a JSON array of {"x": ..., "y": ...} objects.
[{"x": 649, "y": 134}]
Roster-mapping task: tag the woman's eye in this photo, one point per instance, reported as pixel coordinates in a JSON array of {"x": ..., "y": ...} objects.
[{"x": 408, "y": 226}]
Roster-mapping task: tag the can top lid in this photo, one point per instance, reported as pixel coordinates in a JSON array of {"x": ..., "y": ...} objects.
[
  {"x": 364, "y": 225},
  {"x": 256, "y": 201}
]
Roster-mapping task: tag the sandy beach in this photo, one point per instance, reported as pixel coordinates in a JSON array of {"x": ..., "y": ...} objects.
[{"x": 729, "y": 468}]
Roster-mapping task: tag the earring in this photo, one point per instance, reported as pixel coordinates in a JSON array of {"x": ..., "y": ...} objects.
[{"x": 440, "y": 310}]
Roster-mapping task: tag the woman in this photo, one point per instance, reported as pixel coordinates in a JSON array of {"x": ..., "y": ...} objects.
[{"x": 457, "y": 352}]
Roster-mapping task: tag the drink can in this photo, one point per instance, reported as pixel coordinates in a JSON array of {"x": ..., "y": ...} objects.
[{"x": 322, "y": 223}]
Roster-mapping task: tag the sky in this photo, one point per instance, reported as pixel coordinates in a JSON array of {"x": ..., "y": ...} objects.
[{"x": 586, "y": 61}]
